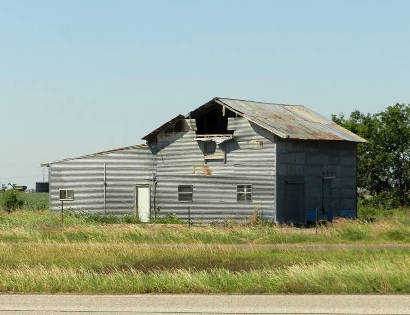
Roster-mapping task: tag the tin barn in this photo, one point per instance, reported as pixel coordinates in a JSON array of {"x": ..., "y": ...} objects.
[{"x": 225, "y": 160}]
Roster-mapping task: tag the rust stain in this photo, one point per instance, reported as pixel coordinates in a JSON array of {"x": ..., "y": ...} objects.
[
  {"x": 206, "y": 169},
  {"x": 334, "y": 137},
  {"x": 191, "y": 125},
  {"x": 202, "y": 170},
  {"x": 256, "y": 144}
]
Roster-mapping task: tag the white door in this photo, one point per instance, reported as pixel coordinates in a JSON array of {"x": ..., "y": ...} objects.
[{"x": 143, "y": 203}]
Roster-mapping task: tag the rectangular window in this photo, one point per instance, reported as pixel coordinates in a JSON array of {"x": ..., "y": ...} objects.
[
  {"x": 66, "y": 194},
  {"x": 185, "y": 192},
  {"x": 244, "y": 193}
]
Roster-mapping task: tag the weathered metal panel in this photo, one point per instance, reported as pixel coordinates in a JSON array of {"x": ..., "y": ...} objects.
[
  {"x": 290, "y": 121},
  {"x": 294, "y": 201},
  {"x": 250, "y": 159},
  {"x": 314, "y": 161},
  {"x": 124, "y": 168}
]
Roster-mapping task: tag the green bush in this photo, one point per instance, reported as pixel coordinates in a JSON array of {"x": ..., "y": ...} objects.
[
  {"x": 11, "y": 200},
  {"x": 382, "y": 200},
  {"x": 169, "y": 219}
]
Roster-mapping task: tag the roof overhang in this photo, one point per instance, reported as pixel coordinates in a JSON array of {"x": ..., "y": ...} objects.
[{"x": 163, "y": 126}]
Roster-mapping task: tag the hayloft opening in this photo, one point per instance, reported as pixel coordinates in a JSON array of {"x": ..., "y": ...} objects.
[{"x": 212, "y": 119}]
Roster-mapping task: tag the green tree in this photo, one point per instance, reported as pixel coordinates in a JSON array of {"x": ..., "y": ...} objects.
[{"x": 384, "y": 161}]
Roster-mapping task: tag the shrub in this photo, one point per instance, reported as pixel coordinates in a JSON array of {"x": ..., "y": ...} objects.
[
  {"x": 11, "y": 200},
  {"x": 169, "y": 219},
  {"x": 382, "y": 200}
]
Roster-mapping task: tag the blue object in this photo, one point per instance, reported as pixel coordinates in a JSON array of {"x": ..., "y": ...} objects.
[
  {"x": 330, "y": 217},
  {"x": 311, "y": 215}
]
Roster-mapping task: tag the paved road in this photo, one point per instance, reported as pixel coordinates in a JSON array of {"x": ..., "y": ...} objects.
[{"x": 205, "y": 304}]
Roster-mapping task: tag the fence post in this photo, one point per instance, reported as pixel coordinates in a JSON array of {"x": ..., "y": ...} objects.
[
  {"x": 189, "y": 216},
  {"x": 62, "y": 212}
]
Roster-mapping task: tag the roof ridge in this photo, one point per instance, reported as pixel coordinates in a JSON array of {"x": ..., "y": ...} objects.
[{"x": 268, "y": 103}]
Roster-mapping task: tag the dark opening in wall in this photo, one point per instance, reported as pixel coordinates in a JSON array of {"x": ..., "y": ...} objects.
[{"x": 213, "y": 121}]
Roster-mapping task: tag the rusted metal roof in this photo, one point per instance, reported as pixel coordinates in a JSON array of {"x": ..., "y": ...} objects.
[
  {"x": 289, "y": 121},
  {"x": 137, "y": 146},
  {"x": 285, "y": 121}
]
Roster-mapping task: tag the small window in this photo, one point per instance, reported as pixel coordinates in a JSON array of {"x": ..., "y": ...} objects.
[
  {"x": 185, "y": 192},
  {"x": 244, "y": 193},
  {"x": 66, "y": 194}
]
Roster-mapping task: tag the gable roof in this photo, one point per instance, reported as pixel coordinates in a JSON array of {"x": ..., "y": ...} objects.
[
  {"x": 289, "y": 121},
  {"x": 137, "y": 146},
  {"x": 285, "y": 121}
]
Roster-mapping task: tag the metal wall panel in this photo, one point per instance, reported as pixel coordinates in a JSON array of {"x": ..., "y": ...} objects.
[
  {"x": 250, "y": 159},
  {"x": 124, "y": 168},
  {"x": 312, "y": 161}
]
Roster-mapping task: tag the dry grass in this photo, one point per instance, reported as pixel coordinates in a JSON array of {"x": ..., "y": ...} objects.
[
  {"x": 42, "y": 226},
  {"x": 373, "y": 275},
  {"x": 37, "y": 254}
]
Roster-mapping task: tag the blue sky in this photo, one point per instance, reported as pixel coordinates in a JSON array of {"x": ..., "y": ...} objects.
[{"x": 79, "y": 77}]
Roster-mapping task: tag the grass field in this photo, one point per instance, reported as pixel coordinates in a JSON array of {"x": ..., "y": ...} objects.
[
  {"x": 43, "y": 226},
  {"x": 111, "y": 255},
  {"x": 123, "y": 268}
]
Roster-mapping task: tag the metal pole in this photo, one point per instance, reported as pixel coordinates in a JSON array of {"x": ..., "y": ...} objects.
[
  {"x": 105, "y": 188},
  {"x": 189, "y": 216},
  {"x": 62, "y": 212},
  {"x": 316, "y": 219}
]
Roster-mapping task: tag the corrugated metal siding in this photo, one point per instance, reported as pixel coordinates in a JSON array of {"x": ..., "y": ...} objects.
[
  {"x": 311, "y": 161},
  {"x": 250, "y": 160},
  {"x": 124, "y": 169}
]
